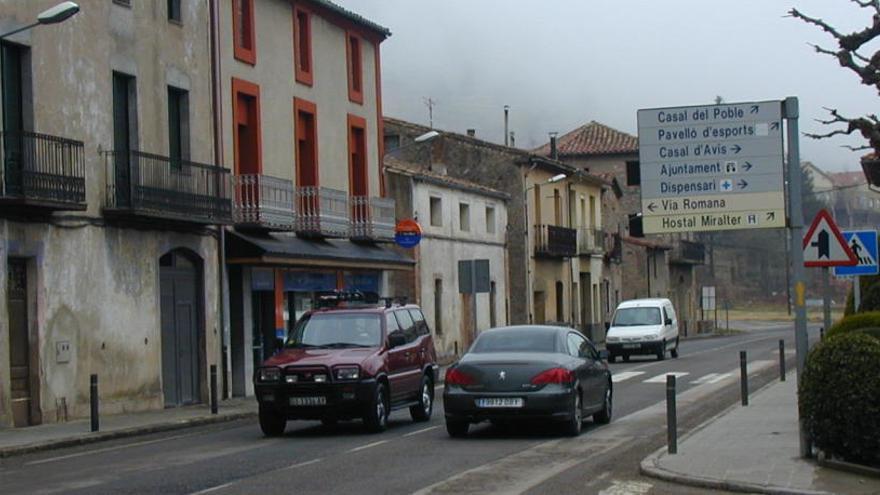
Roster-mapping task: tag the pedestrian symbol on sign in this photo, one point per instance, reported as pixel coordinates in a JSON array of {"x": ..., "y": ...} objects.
[
  {"x": 861, "y": 252},
  {"x": 863, "y": 244}
]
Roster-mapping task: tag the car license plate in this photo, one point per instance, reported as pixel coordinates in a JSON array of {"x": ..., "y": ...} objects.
[
  {"x": 500, "y": 402},
  {"x": 631, "y": 346},
  {"x": 308, "y": 401}
]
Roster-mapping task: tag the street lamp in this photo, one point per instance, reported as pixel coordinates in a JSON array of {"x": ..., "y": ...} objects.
[
  {"x": 552, "y": 180},
  {"x": 54, "y": 15}
]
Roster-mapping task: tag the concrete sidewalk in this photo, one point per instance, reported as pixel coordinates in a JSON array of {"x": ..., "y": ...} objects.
[
  {"x": 754, "y": 449},
  {"x": 18, "y": 441}
]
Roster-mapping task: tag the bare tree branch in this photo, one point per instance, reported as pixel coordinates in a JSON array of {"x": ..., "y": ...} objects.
[
  {"x": 816, "y": 21},
  {"x": 857, "y": 148},
  {"x": 869, "y": 3}
]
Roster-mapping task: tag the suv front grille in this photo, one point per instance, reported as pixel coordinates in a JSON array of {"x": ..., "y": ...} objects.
[{"x": 296, "y": 374}]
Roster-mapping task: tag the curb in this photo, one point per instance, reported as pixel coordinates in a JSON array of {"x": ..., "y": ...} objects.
[
  {"x": 650, "y": 465},
  {"x": 90, "y": 438}
]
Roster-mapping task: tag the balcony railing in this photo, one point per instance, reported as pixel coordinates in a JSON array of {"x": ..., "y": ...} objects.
[
  {"x": 322, "y": 212},
  {"x": 555, "y": 242},
  {"x": 688, "y": 252},
  {"x": 372, "y": 218},
  {"x": 263, "y": 202},
  {"x": 590, "y": 241},
  {"x": 42, "y": 170},
  {"x": 152, "y": 186}
]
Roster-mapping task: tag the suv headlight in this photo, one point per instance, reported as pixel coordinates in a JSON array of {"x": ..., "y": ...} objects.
[
  {"x": 610, "y": 339},
  {"x": 343, "y": 373},
  {"x": 652, "y": 337},
  {"x": 269, "y": 374}
]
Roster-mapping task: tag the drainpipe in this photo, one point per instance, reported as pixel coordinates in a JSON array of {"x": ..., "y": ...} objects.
[{"x": 217, "y": 130}]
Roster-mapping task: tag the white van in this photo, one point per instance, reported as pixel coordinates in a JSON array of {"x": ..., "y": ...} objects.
[{"x": 643, "y": 326}]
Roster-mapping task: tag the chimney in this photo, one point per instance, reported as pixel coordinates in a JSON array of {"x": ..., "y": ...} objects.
[
  {"x": 471, "y": 132},
  {"x": 554, "y": 153},
  {"x": 506, "y": 112}
]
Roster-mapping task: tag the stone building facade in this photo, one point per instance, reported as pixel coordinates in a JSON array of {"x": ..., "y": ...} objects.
[
  {"x": 461, "y": 222},
  {"x": 555, "y": 261},
  {"x": 108, "y": 210}
]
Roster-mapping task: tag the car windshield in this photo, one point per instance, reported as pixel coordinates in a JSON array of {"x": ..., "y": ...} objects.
[
  {"x": 521, "y": 340},
  {"x": 631, "y": 317},
  {"x": 329, "y": 330}
]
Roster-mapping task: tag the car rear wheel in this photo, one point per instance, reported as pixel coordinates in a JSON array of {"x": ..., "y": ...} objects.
[
  {"x": 422, "y": 411},
  {"x": 661, "y": 352},
  {"x": 575, "y": 423},
  {"x": 612, "y": 358},
  {"x": 272, "y": 423},
  {"x": 376, "y": 416},
  {"x": 626, "y": 358},
  {"x": 456, "y": 428},
  {"x": 604, "y": 415}
]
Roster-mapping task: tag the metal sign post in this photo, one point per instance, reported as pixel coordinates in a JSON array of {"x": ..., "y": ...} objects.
[{"x": 796, "y": 234}]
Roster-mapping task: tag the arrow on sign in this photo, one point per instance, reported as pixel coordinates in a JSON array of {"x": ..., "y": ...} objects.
[
  {"x": 754, "y": 109},
  {"x": 742, "y": 184},
  {"x": 736, "y": 149},
  {"x": 747, "y": 166},
  {"x": 771, "y": 215},
  {"x": 652, "y": 206},
  {"x": 774, "y": 126}
]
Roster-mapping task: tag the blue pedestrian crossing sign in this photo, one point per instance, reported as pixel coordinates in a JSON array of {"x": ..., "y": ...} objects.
[{"x": 863, "y": 244}]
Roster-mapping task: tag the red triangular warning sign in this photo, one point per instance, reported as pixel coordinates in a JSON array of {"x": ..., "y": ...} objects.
[{"x": 824, "y": 245}]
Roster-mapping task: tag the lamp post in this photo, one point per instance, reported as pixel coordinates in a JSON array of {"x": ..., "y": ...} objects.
[
  {"x": 551, "y": 180},
  {"x": 54, "y": 15}
]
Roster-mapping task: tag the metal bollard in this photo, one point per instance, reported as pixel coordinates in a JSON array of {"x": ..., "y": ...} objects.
[
  {"x": 93, "y": 400},
  {"x": 671, "y": 420},
  {"x": 213, "y": 389},
  {"x": 782, "y": 360},
  {"x": 744, "y": 378}
]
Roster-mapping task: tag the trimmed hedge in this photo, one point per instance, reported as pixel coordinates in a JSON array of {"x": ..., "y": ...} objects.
[
  {"x": 854, "y": 322},
  {"x": 870, "y": 292},
  {"x": 840, "y": 397}
]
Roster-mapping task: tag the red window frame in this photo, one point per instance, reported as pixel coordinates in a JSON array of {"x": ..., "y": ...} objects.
[
  {"x": 304, "y": 106},
  {"x": 358, "y": 123},
  {"x": 245, "y": 52},
  {"x": 302, "y": 46},
  {"x": 240, "y": 86},
  {"x": 354, "y": 55}
]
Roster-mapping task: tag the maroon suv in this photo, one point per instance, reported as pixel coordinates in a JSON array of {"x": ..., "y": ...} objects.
[{"x": 350, "y": 362}]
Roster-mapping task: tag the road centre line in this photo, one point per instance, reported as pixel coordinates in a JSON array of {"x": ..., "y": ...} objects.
[
  {"x": 303, "y": 464},
  {"x": 213, "y": 488},
  {"x": 423, "y": 430},
  {"x": 367, "y": 446},
  {"x": 108, "y": 449}
]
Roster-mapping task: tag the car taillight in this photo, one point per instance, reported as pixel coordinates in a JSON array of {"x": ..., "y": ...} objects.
[
  {"x": 553, "y": 375},
  {"x": 456, "y": 377}
]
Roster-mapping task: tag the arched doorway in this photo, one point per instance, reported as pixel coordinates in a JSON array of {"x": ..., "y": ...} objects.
[{"x": 182, "y": 328}]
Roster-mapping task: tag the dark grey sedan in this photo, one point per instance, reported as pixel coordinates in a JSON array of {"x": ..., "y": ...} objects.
[{"x": 528, "y": 373}]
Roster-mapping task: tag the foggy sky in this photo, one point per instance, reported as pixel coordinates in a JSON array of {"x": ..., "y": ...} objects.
[{"x": 561, "y": 63}]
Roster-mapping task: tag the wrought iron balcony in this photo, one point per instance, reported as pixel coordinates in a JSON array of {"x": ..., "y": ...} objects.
[
  {"x": 150, "y": 186},
  {"x": 321, "y": 212},
  {"x": 555, "y": 242},
  {"x": 40, "y": 170},
  {"x": 590, "y": 241},
  {"x": 263, "y": 202},
  {"x": 372, "y": 218},
  {"x": 688, "y": 253}
]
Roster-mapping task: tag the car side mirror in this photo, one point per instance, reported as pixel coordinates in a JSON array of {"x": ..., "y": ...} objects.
[
  {"x": 669, "y": 321},
  {"x": 603, "y": 355},
  {"x": 396, "y": 339}
]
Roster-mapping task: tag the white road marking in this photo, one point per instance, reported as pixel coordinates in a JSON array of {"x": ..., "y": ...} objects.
[
  {"x": 421, "y": 431},
  {"x": 661, "y": 378},
  {"x": 711, "y": 378},
  {"x": 213, "y": 489},
  {"x": 625, "y": 375},
  {"x": 108, "y": 449},
  {"x": 367, "y": 446},
  {"x": 304, "y": 464},
  {"x": 627, "y": 488}
]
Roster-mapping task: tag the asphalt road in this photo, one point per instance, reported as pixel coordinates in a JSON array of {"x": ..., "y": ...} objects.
[{"x": 412, "y": 457}]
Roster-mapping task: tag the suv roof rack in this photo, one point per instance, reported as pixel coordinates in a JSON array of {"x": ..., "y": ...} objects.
[
  {"x": 399, "y": 300},
  {"x": 337, "y": 298}
]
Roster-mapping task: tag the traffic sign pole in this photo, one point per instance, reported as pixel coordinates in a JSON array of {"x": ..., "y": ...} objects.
[
  {"x": 796, "y": 234},
  {"x": 857, "y": 294},
  {"x": 826, "y": 297}
]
